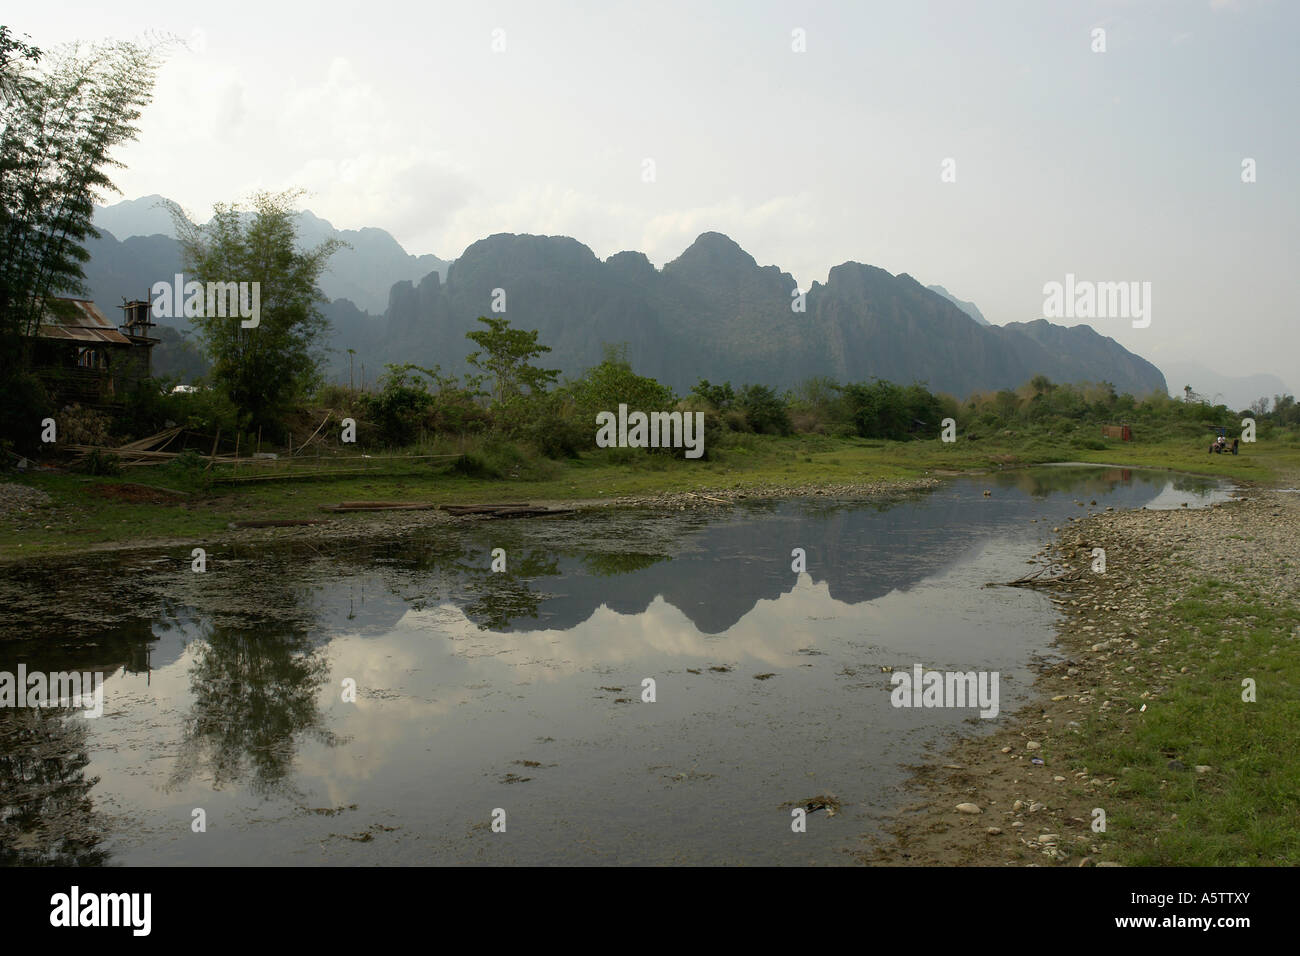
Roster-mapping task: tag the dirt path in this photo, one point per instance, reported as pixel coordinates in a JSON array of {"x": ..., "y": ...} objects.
[{"x": 1114, "y": 663}]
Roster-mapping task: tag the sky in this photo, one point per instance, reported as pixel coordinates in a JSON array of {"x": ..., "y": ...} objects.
[{"x": 444, "y": 123}]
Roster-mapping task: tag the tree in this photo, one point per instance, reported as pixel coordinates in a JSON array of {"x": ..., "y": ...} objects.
[
  {"x": 763, "y": 409},
  {"x": 58, "y": 130},
  {"x": 721, "y": 397},
  {"x": 505, "y": 356},
  {"x": 612, "y": 382},
  {"x": 1259, "y": 407},
  {"x": 262, "y": 367},
  {"x": 15, "y": 58}
]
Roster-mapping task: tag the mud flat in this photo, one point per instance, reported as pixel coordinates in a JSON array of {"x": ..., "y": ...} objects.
[
  {"x": 1146, "y": 692},
  {"x": 365, "y": 524}
]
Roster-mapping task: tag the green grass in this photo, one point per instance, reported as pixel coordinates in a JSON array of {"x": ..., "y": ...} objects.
[
  {"x": 1246, "y": 811},
  {"x": 80, "y": 515}
]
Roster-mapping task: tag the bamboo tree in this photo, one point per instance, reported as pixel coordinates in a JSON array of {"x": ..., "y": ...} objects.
[{"x": 59, "y": 128}]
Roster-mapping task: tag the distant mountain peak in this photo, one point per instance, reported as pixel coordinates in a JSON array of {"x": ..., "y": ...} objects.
[
  {"x": 363, "y": 272},
  {"x": 714, "y": 250},
  {"x": 968, "y": 307}
]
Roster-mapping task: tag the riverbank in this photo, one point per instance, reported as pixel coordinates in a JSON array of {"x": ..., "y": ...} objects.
[
  {"x": 53, "y": 514},
  {"x": 1142, "y": 717}
]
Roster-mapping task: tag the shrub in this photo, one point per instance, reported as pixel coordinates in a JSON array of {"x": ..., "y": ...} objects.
[
  {"x": 764, "y": 411},
  {"x": 101, "y": 463},
  {"x": 472, "y": 465}
]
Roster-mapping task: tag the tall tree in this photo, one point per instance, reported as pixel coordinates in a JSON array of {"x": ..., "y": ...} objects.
[
  {"x": 58, "y": 130},
  {"x": 506, "y": 355},
  {"x": 57, "y": 135},
  {"x": 262, "y": 367},
  {"x": 16, "y": 59}
]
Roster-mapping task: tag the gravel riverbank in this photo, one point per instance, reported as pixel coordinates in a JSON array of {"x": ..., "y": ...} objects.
[
  {"x": 21, "y": 500},
  {"x": 1117, "y": 661}
]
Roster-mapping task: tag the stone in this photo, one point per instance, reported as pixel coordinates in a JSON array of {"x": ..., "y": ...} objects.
[{"x": 968, "y": 808}]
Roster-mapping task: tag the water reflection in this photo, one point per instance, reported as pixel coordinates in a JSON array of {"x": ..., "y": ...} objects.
[
  {"x": 47, "y": 817},
  {"x": 253, "y": 696},
  {"x": 227, "y": 683}
]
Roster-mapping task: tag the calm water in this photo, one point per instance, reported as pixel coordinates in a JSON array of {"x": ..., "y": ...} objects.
[{"x": 522, "y": 690}]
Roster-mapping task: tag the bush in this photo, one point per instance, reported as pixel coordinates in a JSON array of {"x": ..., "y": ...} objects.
[
  {"x": 397, "y": 411},
  {"x": 101, "y": 463},
  {"x": 764, "y": 411},
  {"x": 25, "y": 404},
  {"x": 561, "y": 436},
  {"x": 188, "y": 469},
  {"x": 472, "y": 465}
]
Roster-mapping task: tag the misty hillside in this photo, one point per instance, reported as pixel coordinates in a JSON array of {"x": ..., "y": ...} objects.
[
  {"x": 970, "y": 308},
  {"x": 1237, "y": 392},
  {"x": 714, "y": 313},
  {"x": 363, "y": 273}
]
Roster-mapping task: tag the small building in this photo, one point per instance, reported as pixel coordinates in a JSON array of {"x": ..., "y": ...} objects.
[
  {"x": 81, "y": 357},
  {"x": 1122, "y": 432}
]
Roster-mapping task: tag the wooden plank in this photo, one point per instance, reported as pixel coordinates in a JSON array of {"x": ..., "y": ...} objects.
[
  {"x": 482, "y": 509},
  {"x": 379, "y": 506}
]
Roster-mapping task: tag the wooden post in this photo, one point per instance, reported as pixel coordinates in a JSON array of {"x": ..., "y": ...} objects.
[
  {"x": 213, "y": 454},
  {"x": 237, "y": 436},
  {"x": 259, "y": 439}
]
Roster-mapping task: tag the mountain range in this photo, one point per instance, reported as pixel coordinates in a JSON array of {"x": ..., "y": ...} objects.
[
  {"x": 712, "y": 312},
  {"x": 1235, "y": 391},
  {"x": 362, "y": 272}
]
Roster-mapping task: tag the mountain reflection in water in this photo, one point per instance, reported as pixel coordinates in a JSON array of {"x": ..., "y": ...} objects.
[{"x": 522, "y": 689}]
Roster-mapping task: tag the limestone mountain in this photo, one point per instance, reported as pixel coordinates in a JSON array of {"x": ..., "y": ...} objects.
[
  {"x": 714, "y": 313},
  {"x": 970, "y": 308}
]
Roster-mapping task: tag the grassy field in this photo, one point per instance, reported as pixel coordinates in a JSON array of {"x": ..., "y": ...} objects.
[
  {"x": 1245, "y": 811},
  {"x": 88, "y": 511}
]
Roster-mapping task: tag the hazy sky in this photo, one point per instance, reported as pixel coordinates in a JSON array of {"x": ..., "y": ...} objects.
[{"x": 1114, "y": 166}]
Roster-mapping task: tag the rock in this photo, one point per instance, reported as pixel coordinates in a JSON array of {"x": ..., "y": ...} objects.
[
  {"x": 1048, "y": 838},
  {"x": 1018, "y": 806},
  {"x": 968, "y": 808},
  {"x": 1203, "y": 768},
  {"x": 1033, "y": 745},
  {"x": 1109, "y": 863},
  {"x": 994, "y": 831},
  {"x": 1176, "y": 765}
]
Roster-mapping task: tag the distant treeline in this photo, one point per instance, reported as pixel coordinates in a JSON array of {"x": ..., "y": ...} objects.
[{"x": 508, "y": 397}]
